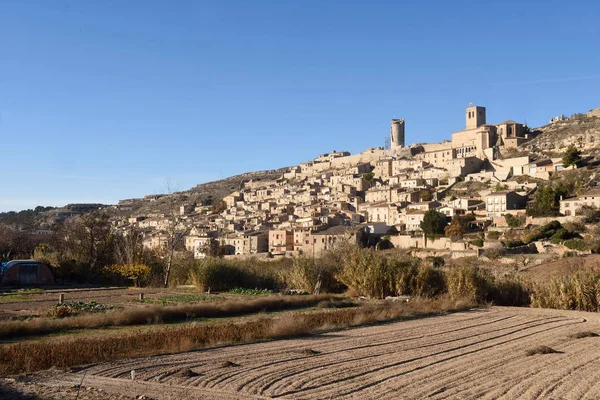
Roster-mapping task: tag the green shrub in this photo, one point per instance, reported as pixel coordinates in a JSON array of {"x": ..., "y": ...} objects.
[
  {"x": 550, "y": 228},
  {"x": 493, "y": 235},
  {"x": 513, "y": 243},
  {"x": 575, "y": 227},
  {"x": 514, "y": 221},
  {"x": 533, "y": 237},
  {"x": 562, "y": 235},
  {"x": 576, "y": 244},
  {"x": 251, "y": 292},
  {"x": 477, "y": 242}
]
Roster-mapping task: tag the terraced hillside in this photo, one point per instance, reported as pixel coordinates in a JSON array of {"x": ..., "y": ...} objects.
[{"x": 468, "y": 355}]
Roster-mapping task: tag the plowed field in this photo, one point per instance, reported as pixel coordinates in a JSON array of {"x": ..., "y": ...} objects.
[{"x": 467, "y": 355}]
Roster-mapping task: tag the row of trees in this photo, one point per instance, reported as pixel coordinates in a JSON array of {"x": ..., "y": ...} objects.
[{"x": 87, "y": 249}]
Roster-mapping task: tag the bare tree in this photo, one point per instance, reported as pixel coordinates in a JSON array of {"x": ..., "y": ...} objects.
[
  {"x": 129, "y": 248},
  {"x": 89, "y": 239},
  {"x": 175, "y": 229}
]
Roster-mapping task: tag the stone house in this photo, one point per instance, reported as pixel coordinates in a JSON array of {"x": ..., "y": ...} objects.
[
  {"x": 246, "y": 243},
  {"x": 383, "y": 168},
  {"x": 281, "y": 241},
  {"x": 499, "y": 203},
  {"x": 328, "y": 239},
  {"x": 570, "y": 207},
  {"x": 424, "y": 206},
  {"x": 413, "y": 219}
]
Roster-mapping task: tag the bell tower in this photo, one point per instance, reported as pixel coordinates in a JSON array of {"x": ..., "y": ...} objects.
[{"x": 475, "y": 116}]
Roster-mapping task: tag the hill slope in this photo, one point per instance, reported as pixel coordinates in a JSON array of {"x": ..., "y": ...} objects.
[{"x": 554, "y": 138}]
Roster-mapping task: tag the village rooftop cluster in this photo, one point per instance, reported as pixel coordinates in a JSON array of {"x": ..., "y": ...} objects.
[{"x": 379, "y": 192}]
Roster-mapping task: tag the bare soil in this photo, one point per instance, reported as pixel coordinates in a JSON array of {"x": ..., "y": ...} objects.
[
  {"x": 467, "y": 355},
  {"x": 544, "y": 272}
]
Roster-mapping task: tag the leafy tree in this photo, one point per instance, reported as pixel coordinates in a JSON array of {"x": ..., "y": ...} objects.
[
  {"x": 572, "y": 156},
  {"x": 219, "y": 207},
  {"x": 514, "y": 221},
  {"x": 434, "y": 223},
  {"x": 546, "y": 203},
  {"x": 138, "y": 273},
  {"x": 369, "y": 177},
  {"x": 425, "y": 195},
  {"x": 500, "y": 187},
  {"x": 455, "y": 230}
]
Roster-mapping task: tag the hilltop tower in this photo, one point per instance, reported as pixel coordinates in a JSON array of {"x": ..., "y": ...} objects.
[
  {"x": 397, "y": 133},
  {"x": 475, "y": 117}
]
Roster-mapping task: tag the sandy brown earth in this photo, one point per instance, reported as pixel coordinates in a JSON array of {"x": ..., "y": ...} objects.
[
  {"x": 544, "y": 272},
  {"x": 467, "y": 355}
]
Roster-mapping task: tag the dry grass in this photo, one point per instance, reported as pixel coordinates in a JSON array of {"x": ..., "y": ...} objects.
[
  {"x": 159, "y": 314},
  {"x": 229, "y": 364},
  {"x": 309, "y": 352},
  {"x": 578, "y": 291},
  {"x": 542, "y": 350},
  {"x": 69, "y": 352},
  {"x": 585, "y": 334},
  {"x": 186, "y": 373}
]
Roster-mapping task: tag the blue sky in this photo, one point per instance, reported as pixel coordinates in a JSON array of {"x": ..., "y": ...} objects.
[{"x": 105, "y": 100}]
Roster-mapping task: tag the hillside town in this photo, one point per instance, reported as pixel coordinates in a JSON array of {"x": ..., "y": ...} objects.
[{"x": 383, "y": 192}]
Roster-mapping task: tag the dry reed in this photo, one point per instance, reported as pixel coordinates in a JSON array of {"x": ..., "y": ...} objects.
[
  {"x": 158, "y": 314},
  {"x": 69, "y": 352}
]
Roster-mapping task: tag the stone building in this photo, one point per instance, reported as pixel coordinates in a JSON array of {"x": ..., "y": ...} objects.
[
  {"x": 570, "y": 207},
  {"x": 501, "y": 203},
  {"x": 397, "y": 133},
  {"x": 281, "y": 241}
]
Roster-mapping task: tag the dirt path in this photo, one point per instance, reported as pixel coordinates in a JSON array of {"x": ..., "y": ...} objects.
[{"x": 469, "y": 355}]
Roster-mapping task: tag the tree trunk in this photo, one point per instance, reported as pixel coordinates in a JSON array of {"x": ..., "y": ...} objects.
[{"x": 168, "y": 269}]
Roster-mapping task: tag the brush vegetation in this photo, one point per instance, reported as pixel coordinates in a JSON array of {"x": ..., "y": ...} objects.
[
  {"x": 67, "y": 352},
  {"x": 579, "y": 291},
  {"x": 158, "y": 314},
  {"x": 541, "y": 350}
]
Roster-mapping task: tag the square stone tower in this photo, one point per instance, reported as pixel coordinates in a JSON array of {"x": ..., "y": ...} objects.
[{"x": 475, "y": 116}]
